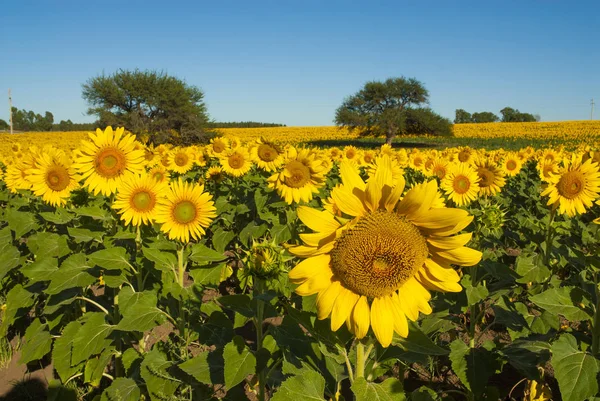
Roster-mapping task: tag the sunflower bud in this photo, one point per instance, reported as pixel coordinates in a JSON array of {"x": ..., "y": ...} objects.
[
  {"x": 265, "y": 260},
  {"x": 492, "y": 219}
]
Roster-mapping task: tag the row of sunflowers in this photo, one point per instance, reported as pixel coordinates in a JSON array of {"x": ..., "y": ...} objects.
[{"x": 273, "y": 266}]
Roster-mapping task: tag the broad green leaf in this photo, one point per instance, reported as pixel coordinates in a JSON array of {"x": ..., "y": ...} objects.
[
  {"x": 62, "y": 352},
  {"x": 122, "y": 389},
  {"x": 207, "y": 367},
  {"x": 92, "y": 338},
  {"x": 40, "y": 270},
  {"x": 202, "y": 254},
  {"x": 38, "y": 342},
  {"x": 563, "y": 301},
  {"x": 239, "y": 303},
  {"x": 210, "y": 275},
  {"x": 306, "y": 385},
  {"x": 531, "y": 269},
  {"x": 21, "y": 222},
  {"x": 141, "y": 317},
  {"x": 574, "y": 370},
  {"x": 72, "y": 273},
  {"x": 18, "y": 304},
  {"x": 57, "y": 392},
  {"x": 526, "y": 356},
  {"x": 239, "y": 362},
  {"x": 80, "y": 235},
  {"x": 216, "y": 330},
  {"x": 95, "y": 366},
  {"x": 221, "y": 239},
  {"x": 389, "y": 390},
  {"x": 130, "y": 358},
  {"x": 159, "y": 382},
  {"x": 418, "y": 342},
  {"x": 473, "y": 366},
  {"x": 111, "y": 258},
  {"x": 43, "y": 244},
  {"x": 163, "y": 260},
  {"x": 60, "y": 216},
  {"x": 94, "y": 212},
  {"x": 9, "y": 260}
]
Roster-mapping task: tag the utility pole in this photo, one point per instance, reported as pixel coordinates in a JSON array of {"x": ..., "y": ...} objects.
[
  {"x": 592, "y": 112},
  {"x": 10, "y": 111}
]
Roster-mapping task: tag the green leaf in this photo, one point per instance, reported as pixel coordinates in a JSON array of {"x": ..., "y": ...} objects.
[
  {"x": 40, "y": 270},
  {"x": 92, "y": 338},
  {"x": 159, "y": 382},
  {"x": 163, "y": 260},
  {"x": 72, "y": 273},
  {"x": 60, "y": 216},
  {"x": 9, "y": 260},
  {"x": 239, "y": 362},
  {"x": 418, "y": 342},
  {"x": 111, "y": 258},
  {"x": 473, "y": 366},
  {"x": 94, "y": 367},
  {"x": 574, "y": 370},
  {"x": 221, "y": 239},
  {"x": 130, "y": 358},
  {"x": 526, "y": 356},
  {"x": 122, "y": 389},
  {"x": 18, "y": 304},
  {"x": 63, "y": 350},
  {"x": 38, "y": 342},
  {"x": 141, "y": 317},
  {"x": 80, "y": 235},
  {"x": 21, "y": 222},
  {"x": 423, "y": 393},
  {"x": 207, "y": 368},
  {"x": 94, "y": 212},
  {"x": 531, "y": 269},
  {"x": 306, "y": 385},
  {"x": 563, "y": 301},
  {"x": 202, "y": 254},
  {"x": 48, "y": 244},
  {"x": 210, "y": 275},
  {"x": 389, "y": 390},
  {"x": 239, "y": 303}
]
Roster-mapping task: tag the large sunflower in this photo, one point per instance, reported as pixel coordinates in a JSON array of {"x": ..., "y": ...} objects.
[
  {"x": 376, "y": 269},
  {"x": 186, "y": 211},
  {"x": 491, "y": 177},
  {"x": 236, "y": 162},
  {"x": 267, "y": 155},
  {"x": 461, "y": 184},
  {"x": 181, "y": 160},
  {"x": 107, "y": 159},
  {"x": 301, "y": 176},
  {"x": 575, "y": 186},
  {"x": 53, "y": 178},
  {"x": 138, "y": 198},
  {"x": 511, "y": 164}
]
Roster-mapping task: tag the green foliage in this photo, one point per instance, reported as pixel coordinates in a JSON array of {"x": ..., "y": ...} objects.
[
  {"x": 148, "y": 102},
  {"x": 510, "y": 115},
  {"x": 242, "y": 124},
  {"x": 424, "y": 121},
  {"x": 4, "y": 125},
  {"x": 27, "y": 120},
  {"x": 462, "y": 116}
]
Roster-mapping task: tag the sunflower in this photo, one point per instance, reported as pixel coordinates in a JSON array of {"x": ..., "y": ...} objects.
[
  {"x": 368, "y": 157},
  {"x": 397, "y": 171},
  {"x": 181, "y": 160},
  {"x": 16, "y": 176},
  {"x": 575, "y": 186},
  {"x": 185, "y": 211},
  {"x": 267, "y": 155},
  {"x": 438, "y": 168},
  {"x": 416, "y": 161},
  {"x": 351, "y": 153},
  {"x": 217, "y": 146},
  {"x": 215, "y": 174},
  {"x": 107, "y": 159},
  {"x": 236, "y": 162},
  {"x": 301, "y": 176},
  {"x": 511, "y": 164},
  {"x": 138, "y": 199},
  {"x": 200, "y": 158},
  {"x": 53, "y": 178},
  {"x": 376, "y": 269},
  {"x": 491, "y": 177},
  {"x": 160, "y": 174},
  {"x": 461, "y": 184},
  {"x": 151, "y": 156},
  {"x": 465, "y": 154}
]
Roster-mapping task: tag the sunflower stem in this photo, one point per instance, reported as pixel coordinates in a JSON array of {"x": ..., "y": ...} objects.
[
  {"x": 260, "y": 309},
  {"x": 180, "y": 280},
  {"x": 548, "y": 241},
  {"x": 596, "y": 321},
  {"x": 138, "y": 248},
  {"x": 473, "y": 312},
  {"x": 360, "y": 360}
]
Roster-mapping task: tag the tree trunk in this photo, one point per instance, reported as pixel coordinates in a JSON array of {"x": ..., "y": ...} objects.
[{"x": 390, "y": 135}]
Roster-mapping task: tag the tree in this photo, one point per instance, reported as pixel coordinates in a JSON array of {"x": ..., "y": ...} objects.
[
  {"x": 484, "y": 117},
  {"x": 510, "y": 115},
  {"x": 379, "y": 108},
  {"x": 148, "y": 102},
  {"x": 27, "y": 120},
  {"x": 462, "y": 117},
  {"x": 3, "y": 124},
  {"x": 424, "y": 121}
]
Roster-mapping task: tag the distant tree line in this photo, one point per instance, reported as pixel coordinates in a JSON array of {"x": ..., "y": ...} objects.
[
  {"x": 242, "y": 124},
  {"x": 27, "y": 120},
  {"x": 509, "y": 115}
]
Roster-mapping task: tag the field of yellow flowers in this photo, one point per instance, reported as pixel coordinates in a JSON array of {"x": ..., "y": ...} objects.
[{"x": 258, "y": 268}]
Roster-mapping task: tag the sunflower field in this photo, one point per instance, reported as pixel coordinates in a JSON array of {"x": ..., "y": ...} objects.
[{"x": 262, "y": 269}]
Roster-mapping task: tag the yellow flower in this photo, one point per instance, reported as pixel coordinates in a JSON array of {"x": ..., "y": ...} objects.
[
  {"x": 186, "y": 211},
  {"x": 181, "y": 160},
  {"x": 267, "y": 156},
  {"x": 575, "y": 186},
  {"x": 511, "y": 164},
  {"x": 160, "y": 174},
  {"x": 217, "y": 146},
  {"x": 138, "y": 198},
  {"x": 491, "y": 177},
  {"x": 54, "y": 177},
  {"x": 461, "y": 184},
  {"x": 107, "y": 159},
  {"x": 438, "y": 168},
  {"x": 236, "y": 162},
  {"x": 215, "y": 174},
  {"x": 376, "y": 269}
]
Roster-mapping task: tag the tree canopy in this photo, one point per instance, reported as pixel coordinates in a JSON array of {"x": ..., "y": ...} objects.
[
  {"x": 27, "y": 120},
  {"x": 148, "y": 102},
  {"x": 509, "y": 115},
  {"x": 380, "y": 108}
]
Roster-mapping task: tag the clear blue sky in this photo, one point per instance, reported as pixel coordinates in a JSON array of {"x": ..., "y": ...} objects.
[{"x": 293, "y": 62}]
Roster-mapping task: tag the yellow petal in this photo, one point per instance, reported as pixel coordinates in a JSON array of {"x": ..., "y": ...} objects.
[
  {"x": 315, "y": 284},
  {"x": 431, "y": 283},
  {"x": 317, "y": 239},
  {"x": 350, "y": 176},
  {"x": 326, "y": 299},
  {"x": 395, "y": 194},
  {"x": 450, "y": 242},
  {"x": 400, "y": 323},
  {"x": 418, "y": 200},
  {"x": 309, "y": 267},
  {"x": 462, "y": 256},
  {"x": 453, "y": 229},
  {"x": 441, "y": 218},
  {"x": 316, "y": 220},
  {"x": 343, "y": 306},
  {"x": 349, "y": 201},
  {"x": 382, "y": 321},
  {"x": 441, "y": 272},
  {"x": 360, "y": 317}
]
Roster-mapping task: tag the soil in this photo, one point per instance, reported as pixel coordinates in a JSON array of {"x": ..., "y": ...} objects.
[{"x": 19, "y": 382}]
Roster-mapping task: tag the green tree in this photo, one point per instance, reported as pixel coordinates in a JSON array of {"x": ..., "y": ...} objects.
[
  {"x": 510, "y": 115},
  {"x": 462, "y": 116},
  {"x": 484, "y": 117},
  {"x": 148, "y": 102},
  {"x": 3, "y": 124},
  {"x": 27, "y": 120},
  {"x": 379, "y": 108},
  {"x": 424, "y": 121}
]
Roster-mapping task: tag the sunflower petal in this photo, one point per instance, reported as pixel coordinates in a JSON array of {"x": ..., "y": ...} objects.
[
  {"x": 400, "y": 323},
  {"x": 360, "y": 317},
  {"x": 350, "y": 176},
  {"x": 450, "y": 242},
  {"x": 309, "y": 267},
  {"x": 382, "y": 321},
  {"x": 418, "y": 200},
  {"x": 462, "y": 256},
  {"x": 343, "y": 307},
  {"x": 316, "y": 220},
  {"x": 326, "y": 299}
]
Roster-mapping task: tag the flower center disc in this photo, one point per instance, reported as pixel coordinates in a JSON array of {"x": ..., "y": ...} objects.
[
  {"x": 57, "y": 178},
  {"x": 218, "y": 147},
  {"x": 440, "y": 172},
  {"x": 463, "y": 156},
  {"x": 461, "y": 184},
  {"x": 143, "y": 201},
  {"x": 297, "y": 174},
  {"x": 181, "y": 159},
  {"x": 379, "y": 254},
  {"x": 571, "y": 184},
  {"x": 487, "y": 177},
  {"x": 110, "y": 162},
  {"x": 511, "y": 165},
  {"x": 236, "y": 161},
  {"x": 267, "y": 153},
  {"x": 184, "y": 212}
]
